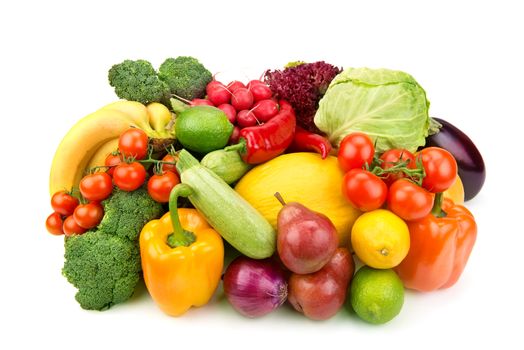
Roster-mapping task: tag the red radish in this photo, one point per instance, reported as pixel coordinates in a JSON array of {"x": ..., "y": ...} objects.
[
  {"x": 230, "y": 111},
  {"x": 261, "y": 92},
  {"x": 246, "y": 118},
  {"x": 242, "y": 99},
  {"x": 235, "y": 85},
  {"x": 235, "y": 135},
  {"x": 254, "y": 82},
  {"x": 218, "y": 94},
  {"x": 214, "y": 83},
  {"x": 201, "y": 102},
  {"x": 265, "y": 110}
]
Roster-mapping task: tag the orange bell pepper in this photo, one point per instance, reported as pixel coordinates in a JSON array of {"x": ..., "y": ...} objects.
[
  {"x": 182, "y": 267},
  {"x": 440, "y": 245}
]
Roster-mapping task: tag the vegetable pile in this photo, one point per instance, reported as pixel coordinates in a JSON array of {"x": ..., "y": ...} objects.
[{"x": 332, "y": 186}]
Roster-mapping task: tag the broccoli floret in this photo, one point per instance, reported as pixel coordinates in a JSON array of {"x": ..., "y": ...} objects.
[
  {"x": 104, "y": 264},
  {"x": 185, "y": 76},
  {"x": 125, "y": 213},
  {"x": 104, "y": 268},
  {"x": 138, "y": 81}
]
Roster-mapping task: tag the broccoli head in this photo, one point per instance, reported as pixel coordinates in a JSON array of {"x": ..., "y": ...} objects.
[
  {"x": 104, "y": 268},
  {"x": 185, "y": 76},
  {"x": 125, "y": 213},
  {"x": 138, "y": 81},
  {"x": 104, "y": 264}
]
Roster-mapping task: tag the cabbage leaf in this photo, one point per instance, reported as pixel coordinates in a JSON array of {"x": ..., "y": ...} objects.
[{"x": 389, "y": 106}]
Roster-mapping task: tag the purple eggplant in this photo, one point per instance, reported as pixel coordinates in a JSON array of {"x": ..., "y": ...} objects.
[{"x": 471, "y": 168}]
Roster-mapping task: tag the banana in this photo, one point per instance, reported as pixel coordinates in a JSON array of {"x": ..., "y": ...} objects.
[
  {"x": 159, "y": 118},
  {"x": 82, "y": 141},
  {"x": 102, "y": 152},
  {"x": 135, "y": 112}
]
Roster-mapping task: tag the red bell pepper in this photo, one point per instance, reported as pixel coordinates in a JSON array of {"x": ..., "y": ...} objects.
[
  {"x": 309, "y": 141},
  {"x": 440, "y": 245},
  {"x": 261, "y": 143}
]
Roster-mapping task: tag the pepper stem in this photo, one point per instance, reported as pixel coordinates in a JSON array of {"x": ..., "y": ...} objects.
[
  {"x": 179, "y": 237},
  {"x": 437, "y": 206},
  {"x": 240, "y": 147}
]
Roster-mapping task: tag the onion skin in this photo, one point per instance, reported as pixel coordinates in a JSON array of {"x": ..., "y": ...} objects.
[
  {"x": 255, "y": 287},
  {"x": 471, "y": 168}
]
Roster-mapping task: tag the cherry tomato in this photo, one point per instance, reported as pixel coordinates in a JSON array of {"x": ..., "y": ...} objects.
[
  {"x": 160, "y": 186},
  {"x": 63, "y": 203},
  {"x": 112, "y": 160},
  {"x": 440, "y": 167},
  {"x": 169, "y": 167},
  {"x": 71, "y": 227},
  {"x": 409, "y": 201},
  {"x": 364, "y": 190},
  {"x": 88, "y": 215},
  {"x": 356, "y": 149},
  {"x": 392, "y": 157},
  {"x": 96, "y": 187},
  {"x": 54, "y": 224},
  {"x": 129, "y": 176},
  {"x": 133, "y": 143}
]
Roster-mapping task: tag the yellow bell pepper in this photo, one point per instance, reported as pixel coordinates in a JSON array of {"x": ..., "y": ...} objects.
[{"x": 182, "y": 267}]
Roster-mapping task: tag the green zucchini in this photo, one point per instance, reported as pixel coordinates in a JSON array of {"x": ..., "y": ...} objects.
[
  {"x": 228, "y": 165},
  {"x": 230, "y": 215}
]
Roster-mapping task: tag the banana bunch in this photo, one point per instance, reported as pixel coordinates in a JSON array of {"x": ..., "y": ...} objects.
[{"x": 89, "y": 141}]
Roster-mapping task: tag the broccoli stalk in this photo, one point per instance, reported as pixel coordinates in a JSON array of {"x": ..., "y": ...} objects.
[{"x": 104, "y": 264}]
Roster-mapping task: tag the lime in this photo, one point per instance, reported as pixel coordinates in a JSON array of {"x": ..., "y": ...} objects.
[
  {"x": 376, "y": 296},
  {"x": 203, "y": 129},
  {"x": 380, "y": 239}
]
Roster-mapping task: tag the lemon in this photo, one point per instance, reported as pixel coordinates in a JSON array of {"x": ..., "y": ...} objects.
[
  {"x": 380, "y": 239},
  {"x": 377, "y": 296}
]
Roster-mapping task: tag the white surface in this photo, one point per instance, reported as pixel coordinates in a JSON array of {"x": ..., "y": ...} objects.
[{"x": 54, "y": 71}]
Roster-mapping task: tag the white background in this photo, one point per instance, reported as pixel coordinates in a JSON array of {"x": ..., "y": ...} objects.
[{"x": 54, "y": 62}]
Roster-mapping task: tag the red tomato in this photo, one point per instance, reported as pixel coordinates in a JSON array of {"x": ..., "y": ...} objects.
[
  {"x": 440, "y": 167},
  {"x": 88, "y": 215},
  {"x": 129, "y": 176},
  {"x": 96, "y": 187},
  {"x": 409, "y": 201},
  {"x": 133, "y": 143},
  {"x": 112, "y": 160},
  {"x": 71, "y": 227},
  {"x": 169, "y": 167},
  {"x": 54, "y": 224},
  {"x": 392, "y": 157},
  {"x": 356, "y": 149},
  {"x": 364, "y": 190},
  {"x": 63, "y": 203},
  {"x": 160, "y": 186}
]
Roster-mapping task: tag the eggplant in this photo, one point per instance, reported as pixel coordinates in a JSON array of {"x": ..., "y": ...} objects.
[{"x": 471, "y": 168}]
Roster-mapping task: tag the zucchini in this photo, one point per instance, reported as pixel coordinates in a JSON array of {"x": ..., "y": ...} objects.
[
  {"x": 228, "y": 165},
  {"x": 230, "y": 215}
]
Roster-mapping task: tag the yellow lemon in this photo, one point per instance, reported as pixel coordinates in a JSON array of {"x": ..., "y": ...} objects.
[{"x": 380, "y": 239}]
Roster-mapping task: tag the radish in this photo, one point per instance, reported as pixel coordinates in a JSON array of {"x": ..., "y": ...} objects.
[
  {"x": 242, "y": 99},
  {"x": 235, "y": 135},
  {"x": 230, "y": 111},
  {"x": 201, "y": 102},
  {"x": 235, "y": 85},
  {"x": 246, "y": 118},
  {"x": 254, "y": 82},
  {"x": 218, "y": 94},
  {"x": 265, "y": 110},
  {"x": 260, "y": 91}
]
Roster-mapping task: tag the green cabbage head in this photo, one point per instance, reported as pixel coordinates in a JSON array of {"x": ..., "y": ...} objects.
[{"x": 389, "y": 106}]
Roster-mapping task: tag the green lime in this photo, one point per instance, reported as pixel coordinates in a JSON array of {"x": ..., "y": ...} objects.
[
  {"x": 376, "y": 296},
  {"x": 203, "y": 129}
]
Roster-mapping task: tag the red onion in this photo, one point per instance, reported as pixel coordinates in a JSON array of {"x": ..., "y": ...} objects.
[{"x": 255, "y": 287}]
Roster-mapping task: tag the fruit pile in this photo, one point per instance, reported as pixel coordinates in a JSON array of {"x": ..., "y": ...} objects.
[{"x": 148, "y": 188}]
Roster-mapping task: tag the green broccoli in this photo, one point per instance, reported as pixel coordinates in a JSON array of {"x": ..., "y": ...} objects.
[
  {"x": 185, "y": 76},
  {"x": 104, "y": 264},
  {"x": 138, "y": 81},
  {"x": 125, "y": 213}
]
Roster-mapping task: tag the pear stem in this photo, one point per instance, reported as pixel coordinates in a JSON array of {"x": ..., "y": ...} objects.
[{"x": 280, "y": 199}]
